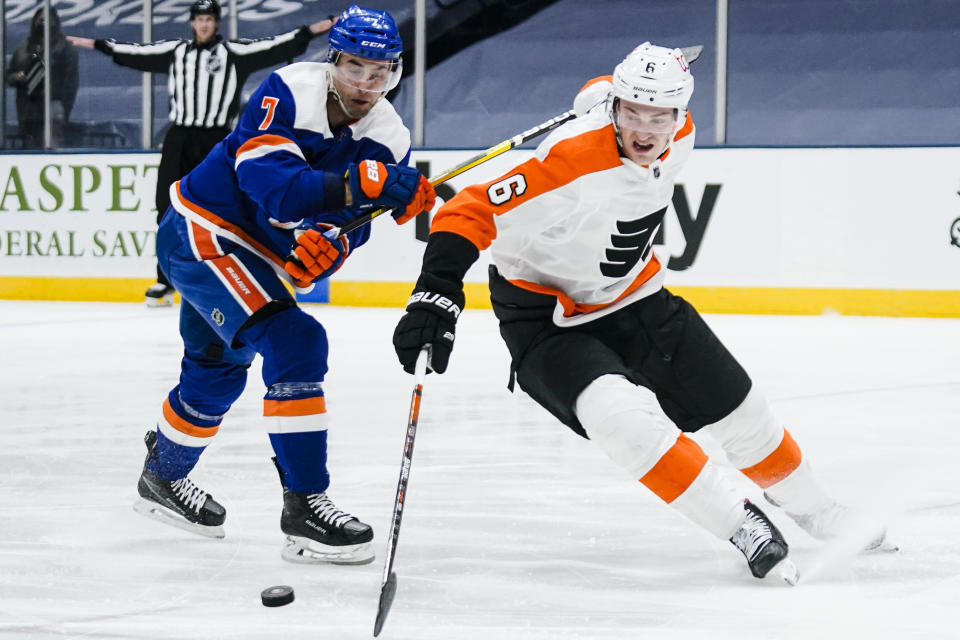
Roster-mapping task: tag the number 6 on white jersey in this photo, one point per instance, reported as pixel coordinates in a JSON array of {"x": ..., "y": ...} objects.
[{"x": 503, "y": 190}]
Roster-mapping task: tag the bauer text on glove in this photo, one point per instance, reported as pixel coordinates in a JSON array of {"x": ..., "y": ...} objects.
[{"x": 431, "y": 319}]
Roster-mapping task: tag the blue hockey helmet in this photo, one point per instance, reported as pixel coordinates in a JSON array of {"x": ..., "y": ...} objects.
[{"x": 366, "y": 33}]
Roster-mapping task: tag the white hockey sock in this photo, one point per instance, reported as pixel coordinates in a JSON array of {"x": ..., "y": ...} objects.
[
  {"x": 750, "y": 433},
  {"x": 712, "y": 502},
  {"x": 765, "y": 452},
  {"x": 800, "y": 493},
  {"x": 627, "y": 422}
]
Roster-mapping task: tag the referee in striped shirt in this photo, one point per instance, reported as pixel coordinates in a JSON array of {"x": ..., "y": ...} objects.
[{"x": 206, "y": 76}]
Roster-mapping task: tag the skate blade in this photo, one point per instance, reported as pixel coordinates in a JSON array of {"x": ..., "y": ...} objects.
[
  {"x": 786, "y": 571},
  {"x": 868, "y": 535},
  {"x": 883, "y": 546},
  {"x": 166, "y": 516},
  {"x": 305, "y": 551}
]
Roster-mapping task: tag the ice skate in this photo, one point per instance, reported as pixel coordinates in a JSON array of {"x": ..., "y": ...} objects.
[
  {"x": 763, "y": 546},
  {"x": 160, "y": 295},
  {"x": 317, "y": 531},
  {"x": 836, "y": 521},
  {"x": 179, "y": 503}
]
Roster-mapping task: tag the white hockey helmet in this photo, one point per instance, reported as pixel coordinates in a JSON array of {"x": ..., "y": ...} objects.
[{"x": 655, "y": 76}]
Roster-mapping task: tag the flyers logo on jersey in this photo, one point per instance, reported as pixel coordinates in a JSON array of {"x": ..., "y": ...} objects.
[{"x": 631, "y": 244}]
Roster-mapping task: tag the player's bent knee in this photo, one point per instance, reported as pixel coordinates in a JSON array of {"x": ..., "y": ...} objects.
[
  {"x": 293, "y": 345},
  {"x": 750, "y": 432},
  {"x": 626, "y": 421}
]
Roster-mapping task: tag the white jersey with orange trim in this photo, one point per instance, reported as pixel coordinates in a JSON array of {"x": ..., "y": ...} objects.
[{"x": 576, "y": 221}]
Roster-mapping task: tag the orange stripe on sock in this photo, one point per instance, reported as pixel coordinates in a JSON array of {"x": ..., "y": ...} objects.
[
  {"x": 301, "y": 407},
  {"x": 776, "y": 466},
  {"x": 676, "y": 470},
  {"x": 181, "y": 425}
]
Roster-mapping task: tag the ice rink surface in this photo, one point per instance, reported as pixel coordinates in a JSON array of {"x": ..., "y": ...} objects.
[{"x": 514, "y": 527}]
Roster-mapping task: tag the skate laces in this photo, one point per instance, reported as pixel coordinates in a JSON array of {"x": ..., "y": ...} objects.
[
  {"x": 190, "y": 494},
  {"x": 324, "y": 507},
  {"x": 753, "y": 535}
]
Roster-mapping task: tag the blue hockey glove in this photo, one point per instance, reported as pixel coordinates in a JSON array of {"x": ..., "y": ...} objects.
[{"x": 374, "y": 183}]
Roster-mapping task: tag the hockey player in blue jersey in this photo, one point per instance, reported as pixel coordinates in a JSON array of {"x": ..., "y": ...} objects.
[{"x": 316, "y": 145}]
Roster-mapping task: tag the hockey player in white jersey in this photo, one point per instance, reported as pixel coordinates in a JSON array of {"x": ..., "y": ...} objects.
[
  {"x": 316, "y": 145},
  {"x": 593, "y": 335}
]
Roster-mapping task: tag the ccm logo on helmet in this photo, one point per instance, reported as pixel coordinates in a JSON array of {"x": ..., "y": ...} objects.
[
  {"x": 426, "y": 297},
  {"x": 378, "y": 45}
]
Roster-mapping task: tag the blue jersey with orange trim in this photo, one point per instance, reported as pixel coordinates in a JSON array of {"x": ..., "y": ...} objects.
[{"x": 282, "y": 167}]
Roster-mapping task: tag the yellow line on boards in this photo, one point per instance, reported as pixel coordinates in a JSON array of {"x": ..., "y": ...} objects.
[
  {"x": 75, "y": 289},
  {"x": 747, "y": 300},
  {"x": 798, "y": 301}
]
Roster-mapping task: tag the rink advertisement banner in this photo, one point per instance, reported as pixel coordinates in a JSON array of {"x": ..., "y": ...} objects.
[
  {"x": 78, "y": 215},
  {"x": 767, "y": 222}
]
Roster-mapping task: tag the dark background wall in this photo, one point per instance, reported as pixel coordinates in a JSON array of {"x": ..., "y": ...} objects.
[{"x": 801, "y": 72}]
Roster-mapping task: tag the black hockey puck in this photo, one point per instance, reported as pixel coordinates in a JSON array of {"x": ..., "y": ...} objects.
[{"x": 276, "y": 596}]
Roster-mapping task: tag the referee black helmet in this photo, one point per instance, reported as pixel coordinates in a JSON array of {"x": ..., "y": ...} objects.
[{"x": 205, "y": 7}]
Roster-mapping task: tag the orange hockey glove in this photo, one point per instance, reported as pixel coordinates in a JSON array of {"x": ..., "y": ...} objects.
[
  {"x": 423, "y": 200},
  {"x": 316, "y": 257}
]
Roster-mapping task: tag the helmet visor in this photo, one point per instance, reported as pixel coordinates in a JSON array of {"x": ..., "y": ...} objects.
[
  {"x": 645, "y": 119},
  {"x": 364, "y": 74}
]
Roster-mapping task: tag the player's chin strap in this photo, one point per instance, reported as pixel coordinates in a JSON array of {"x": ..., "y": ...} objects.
[{"x": 332, "y": 90}]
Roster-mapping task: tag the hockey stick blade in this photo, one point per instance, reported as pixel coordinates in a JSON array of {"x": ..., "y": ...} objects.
[
  {"x": 387, "y": 592},
  {"x": 692, "y": 53}
]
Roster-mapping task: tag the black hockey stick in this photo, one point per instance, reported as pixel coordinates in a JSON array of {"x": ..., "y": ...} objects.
[
  {"x": 388, "y": 587},
  {"x": 479, "y": 159}
]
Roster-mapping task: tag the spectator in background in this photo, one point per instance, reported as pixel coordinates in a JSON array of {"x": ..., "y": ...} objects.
[
  {"x": 26, "y": 71},
  {"x": 206, "y": 77}
]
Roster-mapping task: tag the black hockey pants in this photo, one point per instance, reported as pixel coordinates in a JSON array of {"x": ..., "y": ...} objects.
[{"x": 659, "y": 342}]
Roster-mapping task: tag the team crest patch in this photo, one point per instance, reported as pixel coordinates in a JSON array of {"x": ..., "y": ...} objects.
[{"x": 218, "y": 317}]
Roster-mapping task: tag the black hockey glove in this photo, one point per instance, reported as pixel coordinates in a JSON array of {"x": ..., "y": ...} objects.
[{"x": 431, "y": 319}]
